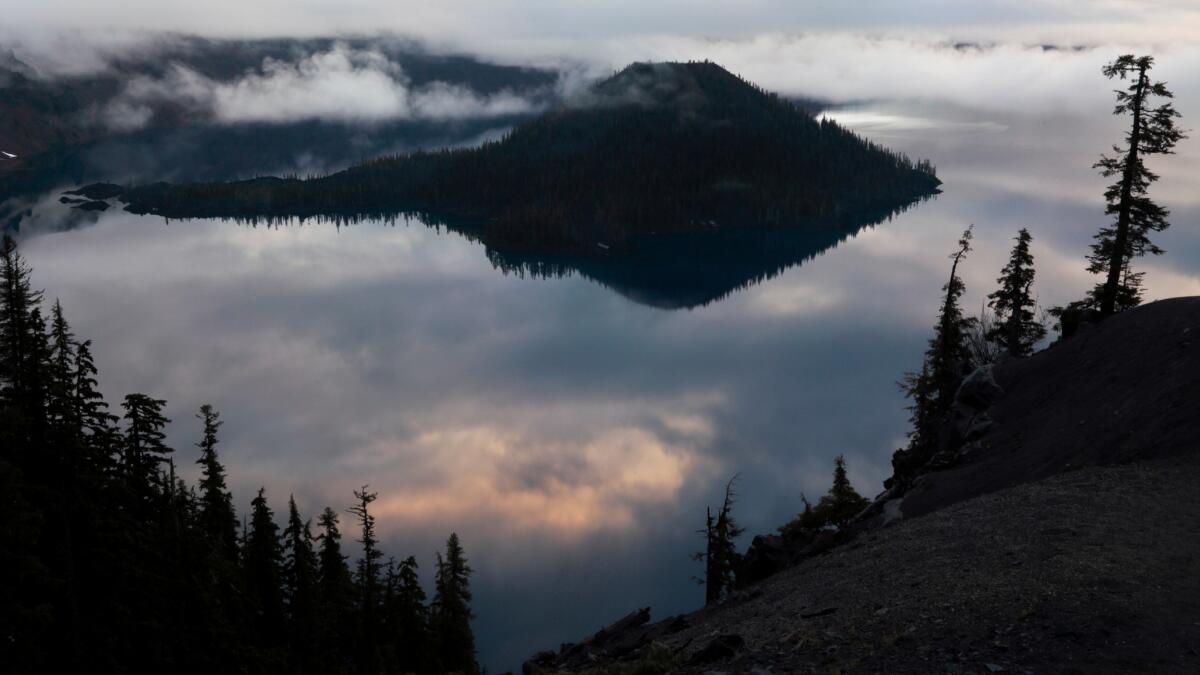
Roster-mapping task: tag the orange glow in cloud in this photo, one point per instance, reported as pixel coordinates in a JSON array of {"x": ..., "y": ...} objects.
[{"x": 612, "y": 474}]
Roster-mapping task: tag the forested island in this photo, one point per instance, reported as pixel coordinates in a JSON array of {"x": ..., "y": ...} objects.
[{"x": 657, "y": 147}]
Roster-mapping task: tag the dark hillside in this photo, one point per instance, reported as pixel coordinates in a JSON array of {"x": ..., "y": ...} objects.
[{"x": 1125, "y": 389}]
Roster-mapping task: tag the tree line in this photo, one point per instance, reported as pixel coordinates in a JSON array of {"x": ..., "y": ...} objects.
[{"x": 111, "y": 562}]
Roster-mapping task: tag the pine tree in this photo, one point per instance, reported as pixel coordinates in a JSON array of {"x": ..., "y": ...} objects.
[
  {"x": 1152, "y": 132},
  {"x": 1016, "y": 330},
  {"x": 720, "y": 555},
  {"x": 948, "y": 355},
  {"x": 217, "y": 518},
  {"x": 335, "y": 596},
  {"x": 144, "y": 448},
  {"x": 263, "y": 560},
  {"x": 451, "y": 611},
  {"x": 836, "y": 509},
  {"x": 20, "y": 354},
  {"x": 97, "y": 426},
  {"x": 61, "y": 378},
  {"x": 300, "y": 588},
  {"x": 409, "y": 619},
  {"x": 368, "y": 581},
  {"x": 843, "y": 502},
  {"x": 946, "y": 362}
]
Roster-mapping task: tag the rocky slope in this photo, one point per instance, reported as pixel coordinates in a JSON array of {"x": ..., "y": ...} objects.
[{"x": 1059, "y": 534}]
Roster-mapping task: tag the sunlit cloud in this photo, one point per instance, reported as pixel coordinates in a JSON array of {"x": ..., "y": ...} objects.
[{"x": 519, "y": 483}]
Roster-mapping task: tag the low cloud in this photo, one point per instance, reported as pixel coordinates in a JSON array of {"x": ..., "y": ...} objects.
[
  {"x": 362, "y": 85},
  {"x": 340, "y": 84}
]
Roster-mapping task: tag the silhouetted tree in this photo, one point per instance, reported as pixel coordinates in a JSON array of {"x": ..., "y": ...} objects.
[
  {"x": 843, "y": 502},
  {"x": 1152, "y": 131},
  {"x": 720, "y": 555},
  {"x": 335, "y": 597},
  {"x": 262, "y": 566},
  {"x": 97, "y": 426},
  {"x": 217, "y": 518},
  {"x": 144, "y": 448},
  {"x": 1016, "y": 329},
  {"x": 451, "y": 611},
  {"x": 946, "y": 361},
  {"x": 836, "y": 509},
  {"x": 22, "y": 352},
  {"x": 367, "y": 579},
  {"x": 300, "y": 589},
  {"x": 407, "y": 618}
]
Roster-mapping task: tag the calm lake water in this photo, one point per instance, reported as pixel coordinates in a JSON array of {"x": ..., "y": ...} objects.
[{"x": 570, "y": 431}]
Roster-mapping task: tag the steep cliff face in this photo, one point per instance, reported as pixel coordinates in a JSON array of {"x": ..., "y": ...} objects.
[{"x": 1057, "y": 533}]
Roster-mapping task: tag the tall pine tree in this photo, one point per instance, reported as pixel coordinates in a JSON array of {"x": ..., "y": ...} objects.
[
  {"x": 451, "y": 611},
  {"x": 300, "y": 589},
  {"x": 368, "y": 655},
  {"x": 1152, "y": 132},
  {"x": 144, "y": 447},
  {"x": 262, "y": 568},
  {"x": 720, "y": 555},
  {"x": 946, "y": 362},
  {"x": 335, "y": 597},
  {"x": 217, "y": 518}
]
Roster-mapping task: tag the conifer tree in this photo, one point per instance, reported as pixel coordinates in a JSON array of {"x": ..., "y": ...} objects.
[
  {"x": 263, "y": 560},
  {"x": 217, "y": 518},
  {"x": 1152, "y": 132},
  {"x": 20, "y": 339},
  {"x": 97, "y": 426},
  {"x": 144, "y": 447},
  {"x": 335, "y": 595},
  {"x": 367, "y": 579},
  {"x": 843, "y": 502},
  {"x": 947, "y": 357},
  {"x": 1016, "y": 330},
  {"x": 409, "y": 619},
  {"x": 946, "y": 362},
  {"x": 300, "y": 588},
  {"x": 451, "y": 611},
  {"x": 60, "y": 410},
  {"x": 720, "y": 555}
]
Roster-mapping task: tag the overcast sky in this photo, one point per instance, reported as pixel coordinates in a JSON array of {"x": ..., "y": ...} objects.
[
  {"x": 835, "y": 50},
  {"x": 496, "y": 22},
  {"x": 522, "y": 29}
]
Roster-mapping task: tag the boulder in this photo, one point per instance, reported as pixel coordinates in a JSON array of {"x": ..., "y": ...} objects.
[
  {"x": 979, "y": 390},
  {"x": 768, "y": 554}
]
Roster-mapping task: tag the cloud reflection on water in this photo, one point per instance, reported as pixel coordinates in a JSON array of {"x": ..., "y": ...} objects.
[{"x": 571, "y": 436}]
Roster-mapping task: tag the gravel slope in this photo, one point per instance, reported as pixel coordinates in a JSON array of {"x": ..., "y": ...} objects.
[{"x": 1096, "y": 570}]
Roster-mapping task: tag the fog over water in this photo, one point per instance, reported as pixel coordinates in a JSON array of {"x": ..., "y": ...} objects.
[{"x": 570, "y": 435}]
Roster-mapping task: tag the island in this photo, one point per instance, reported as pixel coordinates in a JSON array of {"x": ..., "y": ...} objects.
[{"x": 656, "y": 148}]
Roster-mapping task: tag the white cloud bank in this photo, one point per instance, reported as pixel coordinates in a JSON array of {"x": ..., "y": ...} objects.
[{"x": 342, "y": 84}]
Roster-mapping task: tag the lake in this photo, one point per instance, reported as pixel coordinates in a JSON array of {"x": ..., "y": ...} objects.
[{"x": 573, "y": 427}]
